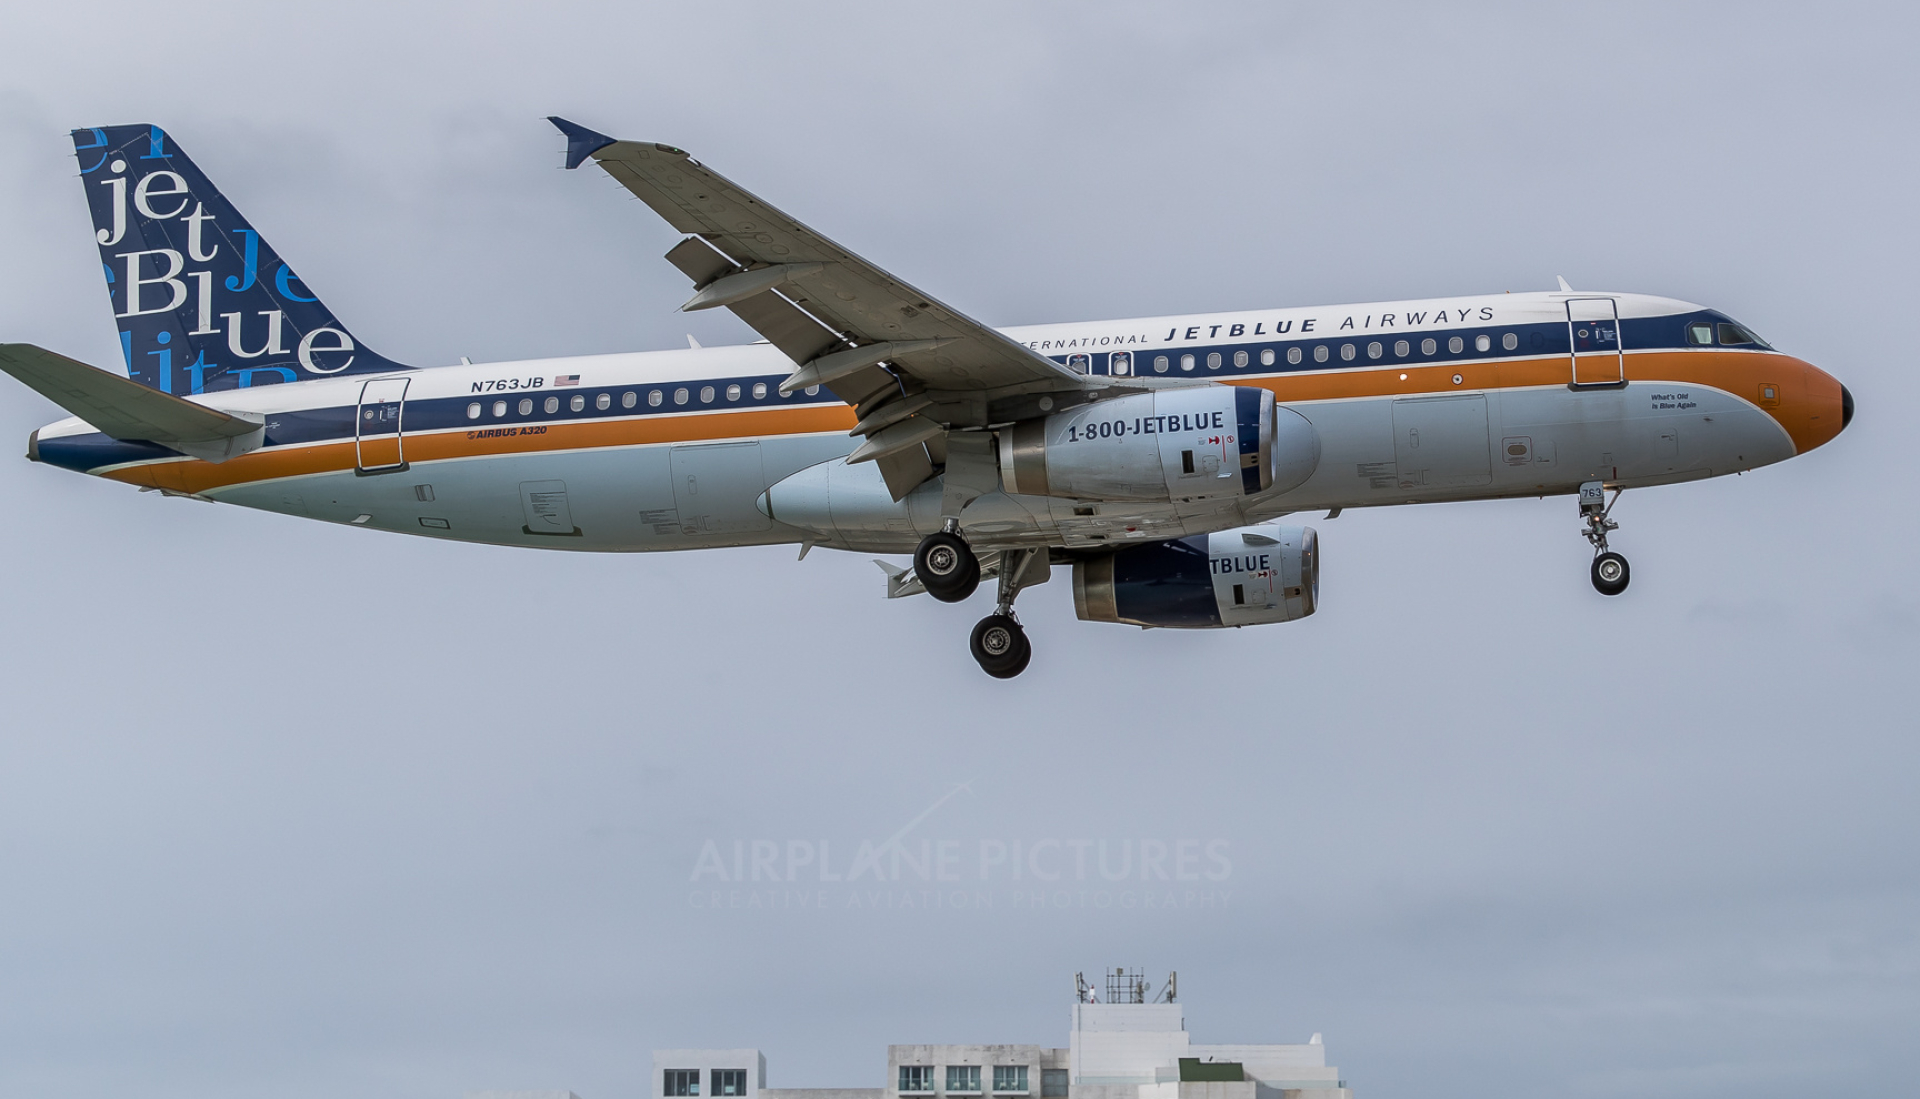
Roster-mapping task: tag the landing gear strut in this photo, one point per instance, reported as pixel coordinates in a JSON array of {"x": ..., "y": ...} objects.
[
  {"x": 998, "y": 642},
  {"x": 946, "y": 565},
  {"x": 1610, "y": 572}
]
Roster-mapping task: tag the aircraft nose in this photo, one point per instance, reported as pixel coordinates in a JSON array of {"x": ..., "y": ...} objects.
[
  {"x": 1819, "y": 411},
  {"x": 1846, "y": 407}
]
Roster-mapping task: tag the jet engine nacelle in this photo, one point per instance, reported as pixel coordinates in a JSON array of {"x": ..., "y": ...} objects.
[
  {"x": 1243, "y": 577},
  {"x": 1200, "y": 442}
]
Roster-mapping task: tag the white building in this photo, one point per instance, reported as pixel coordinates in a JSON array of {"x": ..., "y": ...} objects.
[{"x": 1126, "y": 1050}]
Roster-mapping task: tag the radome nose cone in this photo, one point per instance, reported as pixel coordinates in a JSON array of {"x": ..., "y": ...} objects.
[{"x": 1846, "y": 407}]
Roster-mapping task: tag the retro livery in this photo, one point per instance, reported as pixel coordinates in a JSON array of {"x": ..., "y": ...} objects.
[{"x": 1153, "y": 459}]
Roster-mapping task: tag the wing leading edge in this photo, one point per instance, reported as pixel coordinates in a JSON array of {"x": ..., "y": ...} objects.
[{"x": 911, "y": 366}]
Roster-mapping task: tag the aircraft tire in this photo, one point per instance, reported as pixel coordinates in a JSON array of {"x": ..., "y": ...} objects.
[
  {"x": 1610, "y": 573},
  {"x": 946, "y": 566},
  {"x": 1000, "y": 646}
]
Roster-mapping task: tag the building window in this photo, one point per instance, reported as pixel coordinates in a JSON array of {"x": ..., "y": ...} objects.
[
  {"x": 681, "y": 1081},
  {"x": 916, "y": 1079},
  {"x": 1010, "y": 1079},
  {"x": 1053, "y": 1081},
  {"x": 729, "y": 1081},
  {"x": 963, "y": 1079}
]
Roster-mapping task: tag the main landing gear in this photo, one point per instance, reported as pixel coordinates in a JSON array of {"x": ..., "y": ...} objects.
[
  {"x": 998, "y": 642},
  {"x": 950, "y": 571},
  {"x": 1610, "y": 572},
  {"x": 946, "y": 565}
]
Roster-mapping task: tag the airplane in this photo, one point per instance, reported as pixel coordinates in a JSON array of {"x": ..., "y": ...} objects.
[{"x": 1153, "y": 459}]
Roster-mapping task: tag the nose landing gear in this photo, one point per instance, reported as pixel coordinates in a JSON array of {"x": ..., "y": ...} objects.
[{"x": 1610, "y": 573}]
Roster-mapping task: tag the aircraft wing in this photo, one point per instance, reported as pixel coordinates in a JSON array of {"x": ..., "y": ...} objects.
[{"x": 911, "y": 365}]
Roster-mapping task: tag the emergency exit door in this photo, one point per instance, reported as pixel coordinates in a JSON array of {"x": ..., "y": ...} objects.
[
  {"x": 1593, "y": 327},
  {"x": 376, "y": 429}
]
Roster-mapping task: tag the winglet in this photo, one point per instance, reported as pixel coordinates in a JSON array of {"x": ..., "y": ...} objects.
[
  {"x": 581, "y": 142},
  {"x": 1564, "y": 288}
]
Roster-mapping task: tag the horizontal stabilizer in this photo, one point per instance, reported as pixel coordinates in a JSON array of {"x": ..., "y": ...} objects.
[{"x": 129, "y": 411}]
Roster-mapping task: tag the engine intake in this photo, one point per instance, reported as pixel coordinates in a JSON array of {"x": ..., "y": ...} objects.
[
  {"x": 1202, "y": 442},
  {"x": 1243, "y": 577}
]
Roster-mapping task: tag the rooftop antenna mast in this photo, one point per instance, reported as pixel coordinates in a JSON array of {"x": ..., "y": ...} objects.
[
  {"x": 1126, "y": 986},
  {"x": 1171, "y": 993},
  {"x": 1082, "y": 991}
]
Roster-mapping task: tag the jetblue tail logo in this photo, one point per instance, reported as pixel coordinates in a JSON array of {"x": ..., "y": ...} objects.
[{"x": 202, "y": 302}]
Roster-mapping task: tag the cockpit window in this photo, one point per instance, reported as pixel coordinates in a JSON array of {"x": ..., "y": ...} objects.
[
  {"x": 1733, "y": 335},
  {"x": 1700, "y": 334}
]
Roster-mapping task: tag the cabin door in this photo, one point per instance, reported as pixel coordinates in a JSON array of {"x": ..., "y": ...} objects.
[
  {"x": 376, "y": 429},
  {"x": 1593, "y": 326}
]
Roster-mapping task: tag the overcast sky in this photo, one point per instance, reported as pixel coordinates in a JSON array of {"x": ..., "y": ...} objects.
[{"x": 295, "y": 810}]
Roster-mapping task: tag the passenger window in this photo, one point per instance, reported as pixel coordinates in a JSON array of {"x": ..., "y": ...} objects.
[
  {"x": 1401, "y": 348},
  {"x": 680, "y": 395},
  {"x": 1456, "y": 345},
  {"x": 813, "y": 391},
  {"x": 733, "y": 393},
  {"x": 1266, "y": 356},
  {"x": 1120, "y": 363},
  {"x": 1080, "y": 364},
  {"x": 526, "y": 406},
  {"x": 629, "y": 399},
  {"x": 1213, "y": 361},
  {"x": 578, "y": 403},
  {"x": 473, "y": 411},
  {"x": 1186, "y": 362},
  {"x": 603, "y": 402},
  {"x": 1159, "y": 364},
  {"x": 706, "y": 394},
  {"x": 1428, "y": 347},
  {"x": 654, "y": 398},
  {"x": 1320, "y": 353},
  {"x": 1483, "y": 342},
  {"x": 552, "y": 404},
  {"x": 759, "y": 391},
  {"x": 1347, "y": 352},
  {"x": 1700, "y": 334},
  {"x": 1375, "y": 350},
  {"x": 1293, "y": 355},
  {"x": 499, "y": 408},
  {"x": 1239, "y": 358},
  {"x": 1510, "y": 341}
]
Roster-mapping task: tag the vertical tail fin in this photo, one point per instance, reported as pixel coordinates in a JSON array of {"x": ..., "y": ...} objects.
[{"x": 203, "y": 302}]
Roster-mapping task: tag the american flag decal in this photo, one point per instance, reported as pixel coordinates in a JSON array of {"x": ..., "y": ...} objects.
[{"x": 567, "y": 379}]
